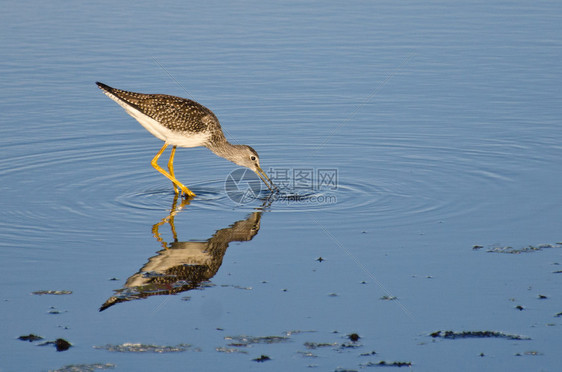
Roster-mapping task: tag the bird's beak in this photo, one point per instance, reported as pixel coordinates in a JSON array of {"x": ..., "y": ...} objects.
[{"x": 266, "y": 180}]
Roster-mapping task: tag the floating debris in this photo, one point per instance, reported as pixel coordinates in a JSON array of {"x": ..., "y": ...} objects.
[
  {"x": 354, "y": 337},
  {"x": 533, "y": 353},
  {"x": 384, "y": 363},
  {"x": 477, "y": 334},
  {"x": 230, "y": 350},
  {"x": 261, "y": 359},
  {"x": 542, "y": 297},
  {"x": 60, "y": 344},
  {"x": 558, "y": 315},
  {"x": 475, "y": 247},
  {"x": 54, "y": 311},
  {"x": 236, "y": 344},
  {"x": 84, "y": 367},
  {"x": 237, "y": 287},
  {"x": 30, "y": 337},
  {"x": 389, "y": 298},
  {"x": 348, "y": 345},
  {"x": 316, "y": 345},
  {"x": 519, "y": 307},
  {"x": 296, "y": 332},
  {"x": 528, "y": 249},
  {"x": 57, "y": 293},
  {"x": 143, "y": 348},
  {"x": 242, "y": 287},
  {"x": 320, "y": 259},
  {"x": 368, "y": 354},
  {"x": 249, "y": 340},
  {"x": 307, "y": 354}
]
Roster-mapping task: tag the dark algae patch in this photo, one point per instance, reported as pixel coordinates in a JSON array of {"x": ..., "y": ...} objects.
[
  {"x": 262, "y": 359},
  {"x": 476, "y": 334},
  {"x": 30, "y": 337},
  {"x": 368, "y": 354},
  {"x": 60, "y": 344},
  {"x": 384, "y": 363},
  {"x": 354, "y": 337}
]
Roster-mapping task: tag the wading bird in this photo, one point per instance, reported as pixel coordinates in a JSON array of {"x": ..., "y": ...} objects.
[{"x": 185, "y": 123}]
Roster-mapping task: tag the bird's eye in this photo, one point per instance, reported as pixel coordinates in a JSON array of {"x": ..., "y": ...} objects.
[{"x": 253, "y": 157}]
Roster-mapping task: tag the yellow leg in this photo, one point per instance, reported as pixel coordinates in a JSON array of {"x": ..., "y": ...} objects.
[
  {"x": 171, "y": 167},
  {"x": 154, "y": 163}
]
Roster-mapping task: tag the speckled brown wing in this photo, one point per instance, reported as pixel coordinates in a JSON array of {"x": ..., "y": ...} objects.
[{"x": 175, "y": 113}]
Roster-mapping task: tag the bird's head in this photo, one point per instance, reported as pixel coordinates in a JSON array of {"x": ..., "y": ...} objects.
[{"x": 246, "y": 156}]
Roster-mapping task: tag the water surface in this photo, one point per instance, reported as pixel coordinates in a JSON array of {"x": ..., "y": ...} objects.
[{"x": 441, "y": 122}]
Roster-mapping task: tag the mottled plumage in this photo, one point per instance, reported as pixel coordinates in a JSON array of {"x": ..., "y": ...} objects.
[{"x": 175, "y": 113}]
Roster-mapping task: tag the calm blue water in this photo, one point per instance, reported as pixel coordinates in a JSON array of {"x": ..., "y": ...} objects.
[{"x": 440, "y": 122}]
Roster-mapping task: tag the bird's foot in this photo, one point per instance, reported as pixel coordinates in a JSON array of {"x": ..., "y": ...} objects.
[{"x": 187, "y": 193}]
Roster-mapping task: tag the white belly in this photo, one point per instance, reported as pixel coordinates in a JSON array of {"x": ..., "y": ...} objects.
[{"x": 160, "y": 131}]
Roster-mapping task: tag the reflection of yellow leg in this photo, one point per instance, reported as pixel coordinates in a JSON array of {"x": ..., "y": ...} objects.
[
  {"x": 156, "y": 233},
  {"x": 154, "y": 163},
  {"x": 169, "y": 219},
  {"x": 171, "y": 167}
]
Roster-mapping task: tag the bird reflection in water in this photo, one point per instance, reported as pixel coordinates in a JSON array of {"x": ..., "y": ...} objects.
[{"x": 182, "y": 266}]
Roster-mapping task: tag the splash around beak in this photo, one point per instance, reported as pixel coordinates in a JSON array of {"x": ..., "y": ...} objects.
[{"x": 266, "y": 180}]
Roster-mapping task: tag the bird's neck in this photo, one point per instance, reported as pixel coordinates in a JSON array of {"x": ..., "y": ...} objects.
[{"x": 221, "y": 147}]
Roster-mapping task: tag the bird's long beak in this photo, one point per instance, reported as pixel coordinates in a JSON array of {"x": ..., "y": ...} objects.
[{"x": 266, "y": 180}]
